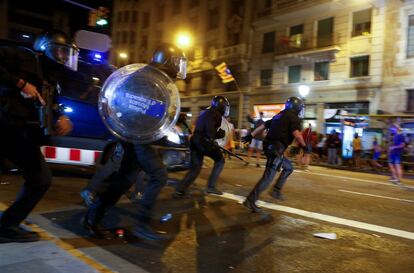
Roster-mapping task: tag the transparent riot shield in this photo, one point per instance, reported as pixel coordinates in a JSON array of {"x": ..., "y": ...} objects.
[{"x": 139, "y": 103}]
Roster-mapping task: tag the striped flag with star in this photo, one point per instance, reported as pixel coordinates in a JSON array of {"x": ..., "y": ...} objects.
[{"x": 224, "y": 73}]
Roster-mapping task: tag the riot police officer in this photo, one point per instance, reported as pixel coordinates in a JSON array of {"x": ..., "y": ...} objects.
[
  {"x": 203, "y": 143},
  {"x": 23, "y": 75},
  {"x": 282, "y": 129},
  {"x": 119, "y": 172}
]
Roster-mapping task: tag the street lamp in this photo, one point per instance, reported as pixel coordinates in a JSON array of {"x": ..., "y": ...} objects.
[
  {"x": 183, "y": 39},
  {"x": 303, "y": 90},
  {"x": 123, "y": 55}
]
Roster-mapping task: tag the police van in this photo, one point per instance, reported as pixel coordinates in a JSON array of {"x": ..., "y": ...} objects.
[
  {"x": 86, "y": 144},
  {"x": 78, "y": 97}
]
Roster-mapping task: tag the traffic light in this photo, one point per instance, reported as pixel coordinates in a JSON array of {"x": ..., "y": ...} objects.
[
  {"x": 98, "y": 17},
  {"x": 102, "y": 16}
]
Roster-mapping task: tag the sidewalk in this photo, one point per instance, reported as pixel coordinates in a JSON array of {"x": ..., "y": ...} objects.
[
  {"x": 367, "y": 169},
  {"x": 49, "y": 255}
]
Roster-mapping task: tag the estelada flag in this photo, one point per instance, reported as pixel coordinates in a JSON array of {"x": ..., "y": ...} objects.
[{"x": 224, "y": 73}]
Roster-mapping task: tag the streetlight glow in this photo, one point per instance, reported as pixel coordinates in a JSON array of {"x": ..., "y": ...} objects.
[
  {"x": 123, "y": 55},
  {"x": 303, "y": 90},
  {"x": 183, "y": 40}
]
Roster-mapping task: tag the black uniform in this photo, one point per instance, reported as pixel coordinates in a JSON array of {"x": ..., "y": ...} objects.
[
  {"x": 116, "y": 176},
  {"x": 201, "y": 144},
  {"x": 279, "y": 136},
  {"x": 21, "y": 136}
]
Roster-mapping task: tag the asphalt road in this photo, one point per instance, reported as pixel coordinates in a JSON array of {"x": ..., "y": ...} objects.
[{"x": 372, "y": 219}]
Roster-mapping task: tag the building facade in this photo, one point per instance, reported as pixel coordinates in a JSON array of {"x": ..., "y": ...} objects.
[
  {"x": 22, "y": 21},
  {"x": 355, "y": 56},
  {"x": 220, "y": 32}
]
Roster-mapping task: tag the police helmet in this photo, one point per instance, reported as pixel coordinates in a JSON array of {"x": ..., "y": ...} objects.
[
  {"x": 171, "y": 60},
  {"x": 59, "y": 47},
  {"x": 295, "y": 104},
  {"x": 221, "y": 104}
]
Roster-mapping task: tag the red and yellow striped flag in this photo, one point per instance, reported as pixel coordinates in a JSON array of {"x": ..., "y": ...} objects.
[{"x": 224, "y": 73}]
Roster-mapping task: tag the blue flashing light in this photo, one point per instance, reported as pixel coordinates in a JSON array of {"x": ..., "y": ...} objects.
[
  {"x": 96, "y": 56},
  {"x": 68, "y": 110}
]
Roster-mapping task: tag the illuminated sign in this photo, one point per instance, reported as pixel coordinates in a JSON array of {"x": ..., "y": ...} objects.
[{"x": 269, "y": 110}]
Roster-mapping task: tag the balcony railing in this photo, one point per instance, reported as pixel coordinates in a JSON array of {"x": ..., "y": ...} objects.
[
  {"x": 300, "y": 42},
  {"x": 237, "y": 51},
  {"x": 285, "y": 4}
]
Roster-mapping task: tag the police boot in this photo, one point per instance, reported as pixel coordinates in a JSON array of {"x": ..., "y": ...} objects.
[
  {"x": 277, "y": 194},
  {"x": 251, "y": 205},
  {"x": 92, "y": 222},
  {"x": 17, "y": 234}
]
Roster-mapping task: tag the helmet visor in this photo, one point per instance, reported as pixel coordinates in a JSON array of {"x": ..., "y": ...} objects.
[
  {"x": 226, "y": 110},
  {"x": 180, "y": 65},
  {"x": 63, "y": 54},
  {"x": 301, "y": 113}
]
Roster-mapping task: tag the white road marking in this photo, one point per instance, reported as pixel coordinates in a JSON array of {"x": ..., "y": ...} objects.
[
  {"x": 327, "y": 218},
  {"x": 355, "y": 179},
  {"x": 379, "y": 196}
]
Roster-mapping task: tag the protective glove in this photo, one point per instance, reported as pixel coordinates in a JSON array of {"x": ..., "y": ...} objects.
[
  {"x": 247, "y": 139},
  {"x": 220, "y": 133}
]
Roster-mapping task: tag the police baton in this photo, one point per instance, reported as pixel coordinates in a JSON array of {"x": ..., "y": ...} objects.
[{"x": 231, "y": 153}]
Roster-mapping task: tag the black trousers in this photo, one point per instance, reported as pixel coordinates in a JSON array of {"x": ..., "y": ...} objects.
[
  {"x": 18, "y": 147},
  {"x": 114, "y": 178},
  {"x": 273, "y": 164},
  {"x": 198, "y": 151}
]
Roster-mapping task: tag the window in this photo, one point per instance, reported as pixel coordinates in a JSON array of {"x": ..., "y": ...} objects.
[
  {"x": 361, "y": 23},
  {"x": 194, "y": 22},
  {"x": 176, "y": 7},
  {"x": 294, "y": 73},
  {"x": 209, "y": 46},
  {"x": 360, "y": 66},
  {"x": 145, "y": 20},
  {"x": 118, "y": 38},
  {"x": 410, "y": 100},
  {"x": 134, "y": 16},
  {"x": 296, "y": 30},
  {"x": 124, "y": 37},
  {"x": 126, "y": 15},
  {"x": 321, "y": 72},
  {"x": 325, "y": 32},
  {"x": 236, "y": 7},
  {"x": 213, "y": 15},
  {"x": 194, "y": 3},
  {"x": 119, "y": 19},
  {"x": 410, "y": 37},
  {"x": 160, "y": 12},
  {"x": 268, "y": 42},
  {"x": 144, "y": 41},
  {"x": 132, "y": 37},
  {"x": 266, "y": 77}
]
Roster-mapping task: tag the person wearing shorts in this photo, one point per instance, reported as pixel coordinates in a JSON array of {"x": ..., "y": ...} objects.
[
  {"x": 257, "y": 143},
  {"x": 395, "y": 153}
]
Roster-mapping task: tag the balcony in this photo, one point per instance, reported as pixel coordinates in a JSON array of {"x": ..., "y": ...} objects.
[
  {"x": 300, "y": 42},
  {"x": 232, "y": 52},
  {"x": 285, "y": 4}
]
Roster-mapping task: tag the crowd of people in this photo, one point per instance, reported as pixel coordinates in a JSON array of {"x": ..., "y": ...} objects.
[{"x": 384, "y": 154}]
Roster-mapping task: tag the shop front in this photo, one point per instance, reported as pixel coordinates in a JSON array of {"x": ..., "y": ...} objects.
[{"x": 333, "y": 112}]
